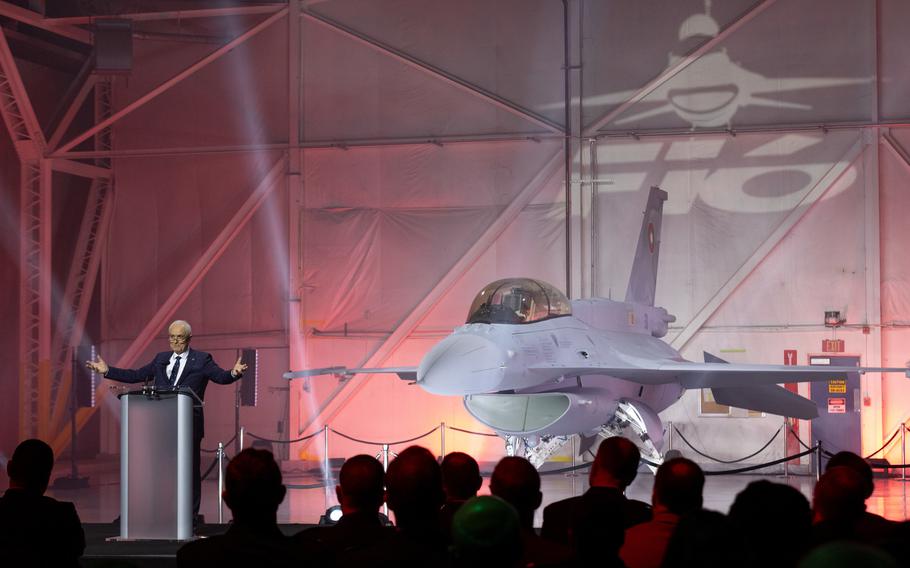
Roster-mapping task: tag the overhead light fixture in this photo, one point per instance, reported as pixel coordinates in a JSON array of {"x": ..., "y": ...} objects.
[{"x": 834, "y": 319}]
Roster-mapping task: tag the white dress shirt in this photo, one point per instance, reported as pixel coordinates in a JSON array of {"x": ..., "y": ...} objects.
[{"x": 174, "y": 358}]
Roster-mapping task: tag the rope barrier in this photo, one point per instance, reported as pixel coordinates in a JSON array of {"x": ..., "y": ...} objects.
[
  {"x": 763, "y": 465},
  {"x": 888, "y": 443},
  {"x": 308, "y": 486},
  {"x": 215, "y": 451},
  {"x": 409, "y": 440},
  {"x": 825, "y": 453},
  {"x": 752, "y": 455},
  {"x": 211, "y": 467},
  {"x": 294, "y": 441},
  {"x": 566, "y": 469},
  {"x": 472, "y": 432}
]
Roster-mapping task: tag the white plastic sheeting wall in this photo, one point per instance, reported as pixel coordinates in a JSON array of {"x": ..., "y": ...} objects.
[{"x": 380, "y": 226}]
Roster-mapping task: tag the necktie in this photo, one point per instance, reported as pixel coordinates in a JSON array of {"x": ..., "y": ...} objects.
[{"x": 175, "y": 369}]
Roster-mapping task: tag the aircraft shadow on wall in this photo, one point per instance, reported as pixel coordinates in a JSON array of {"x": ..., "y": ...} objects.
[{"x": 537, "y": 368}]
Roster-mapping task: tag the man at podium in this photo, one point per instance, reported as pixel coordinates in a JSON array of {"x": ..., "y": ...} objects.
[{"x": 181, "y": 367}]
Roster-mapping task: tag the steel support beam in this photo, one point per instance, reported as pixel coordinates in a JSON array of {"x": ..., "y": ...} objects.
[
  {"x": 897, "y": 150},
  {"x": 295, "y": 204},
  {"x": 872, "y": 416},
  {"x": 834, "y": 173},
  {"x": 62, "y": 126},
  {"x": 170, "y": 15},
  {"x": 176, "y": 79},
  {"x": 335, "y": 401},
  {"x": 79, "y": 169},
  {"x": 434, "y": 71},
  {"x": 679, "y": 66},
  {"x": 34, "y": 298},
  {"x": 16, "y": 108},
  {"x": 77, "y": 295},
  {"x": 186, "y": 286},
  {"x": 37, "y": 20}
]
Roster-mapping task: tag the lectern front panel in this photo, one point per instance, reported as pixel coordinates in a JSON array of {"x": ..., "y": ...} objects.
[{"x": 156, "y": 493}]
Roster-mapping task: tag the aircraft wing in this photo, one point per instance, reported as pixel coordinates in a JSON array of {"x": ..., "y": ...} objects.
[
  {"x": 404, "y": 373},
  {"x": 693, "y": 375}
]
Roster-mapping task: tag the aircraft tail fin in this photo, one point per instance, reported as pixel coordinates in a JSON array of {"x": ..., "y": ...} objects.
[
  {"x": 773, "y": 399},
  {"x": 643, "y": 280}
]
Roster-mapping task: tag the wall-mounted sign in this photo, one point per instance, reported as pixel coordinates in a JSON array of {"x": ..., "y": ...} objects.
[
  {"x": 789, "y": 357},
  {"x": 837, "y": 405},
  {"x": 837, "y": 386}
]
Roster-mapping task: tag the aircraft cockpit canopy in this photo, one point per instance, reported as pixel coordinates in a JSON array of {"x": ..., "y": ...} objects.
[{"x": 517, "y": 301}]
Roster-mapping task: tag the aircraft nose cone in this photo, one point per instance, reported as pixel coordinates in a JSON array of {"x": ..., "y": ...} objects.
[{"x": 462, "y": 364}]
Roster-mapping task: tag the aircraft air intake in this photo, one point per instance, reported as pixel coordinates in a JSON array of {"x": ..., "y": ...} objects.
[{"x": 555, "y": 413}]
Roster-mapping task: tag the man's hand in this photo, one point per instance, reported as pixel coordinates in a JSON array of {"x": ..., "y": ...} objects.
[
  {"x": 98, "y": 365},
  {"x": 239, "y": 368}
]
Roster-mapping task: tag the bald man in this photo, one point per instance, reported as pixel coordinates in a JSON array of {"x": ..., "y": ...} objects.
[{"x": 181, "y": 367}]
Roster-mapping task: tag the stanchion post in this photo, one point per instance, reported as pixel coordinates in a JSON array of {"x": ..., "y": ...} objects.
[
  {"x": 442, "y": 439},
  {"x": 669, "y": 436},
  {"x": 242, "y": 431},
  {"x": 220, "y": 483},
  {"x": 385, "y": 467},
  {"x": 786, "y": 462},
  {"x": 325, "y": 453},
  {"x": 818, "y": 460},
  {"x": 903, "y": 451}
]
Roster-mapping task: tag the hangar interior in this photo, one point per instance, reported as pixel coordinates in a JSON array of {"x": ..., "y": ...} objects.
[{"x": 330, "y": 182}]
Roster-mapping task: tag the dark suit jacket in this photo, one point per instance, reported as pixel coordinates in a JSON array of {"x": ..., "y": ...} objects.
[
  {"x": 593, "y": 523},
  {"x": 354, "y": 535},
  {"x": 39, "y": 531},
  {"x": 241, "y": 545},
  {"x": 198, "y": 371}
]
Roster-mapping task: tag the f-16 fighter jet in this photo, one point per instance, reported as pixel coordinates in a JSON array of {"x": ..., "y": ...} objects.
[{"x": 537, "y": 367}]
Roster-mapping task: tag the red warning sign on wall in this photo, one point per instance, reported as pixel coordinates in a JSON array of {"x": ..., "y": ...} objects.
[
  {"x": 789, "y": 356},
  {"x": 837, "y": 405}
]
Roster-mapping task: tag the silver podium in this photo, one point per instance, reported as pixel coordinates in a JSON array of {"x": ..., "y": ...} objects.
[{"x": 156, "y": 460}]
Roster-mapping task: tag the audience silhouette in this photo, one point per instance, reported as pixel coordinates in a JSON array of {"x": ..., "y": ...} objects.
[
  {"x": 253, "y": 490},
  {"x": 486, "y": 534},
  {"x": 592, "y": 524},
  {"x": 767, "y": 512},
  {"x": 678, "y": 486},
  {"x": 441, "y": 522},
  {"x": 36, "y": 530},
  {"x": 517, "y": 482},
  {"x": 360, "y": 532},
  {"x": 460, "y": 481}
]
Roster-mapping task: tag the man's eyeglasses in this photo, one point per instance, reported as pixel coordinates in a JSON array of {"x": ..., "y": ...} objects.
[{"x": 180, "y": 338}]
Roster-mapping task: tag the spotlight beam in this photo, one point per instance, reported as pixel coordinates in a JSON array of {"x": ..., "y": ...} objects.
[{"x": 192, "y": 278}]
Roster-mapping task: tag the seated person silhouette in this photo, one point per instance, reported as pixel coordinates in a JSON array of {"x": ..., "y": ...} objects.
[
  {"x": 36, "y": 530},
  {"x": 414, "y": 494},
  {"x": 593, "y": 524},
  {"x": 253, "y": 490},
  {"x": 460, "y": 480},
  {"x": 517, "y": 482},
  {"x": 678, "y": 487},
  {"x": 360, "y": 493}
]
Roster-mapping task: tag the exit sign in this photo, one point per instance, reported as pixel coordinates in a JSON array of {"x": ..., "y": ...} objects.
[{"x": 832, "y": 345}]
